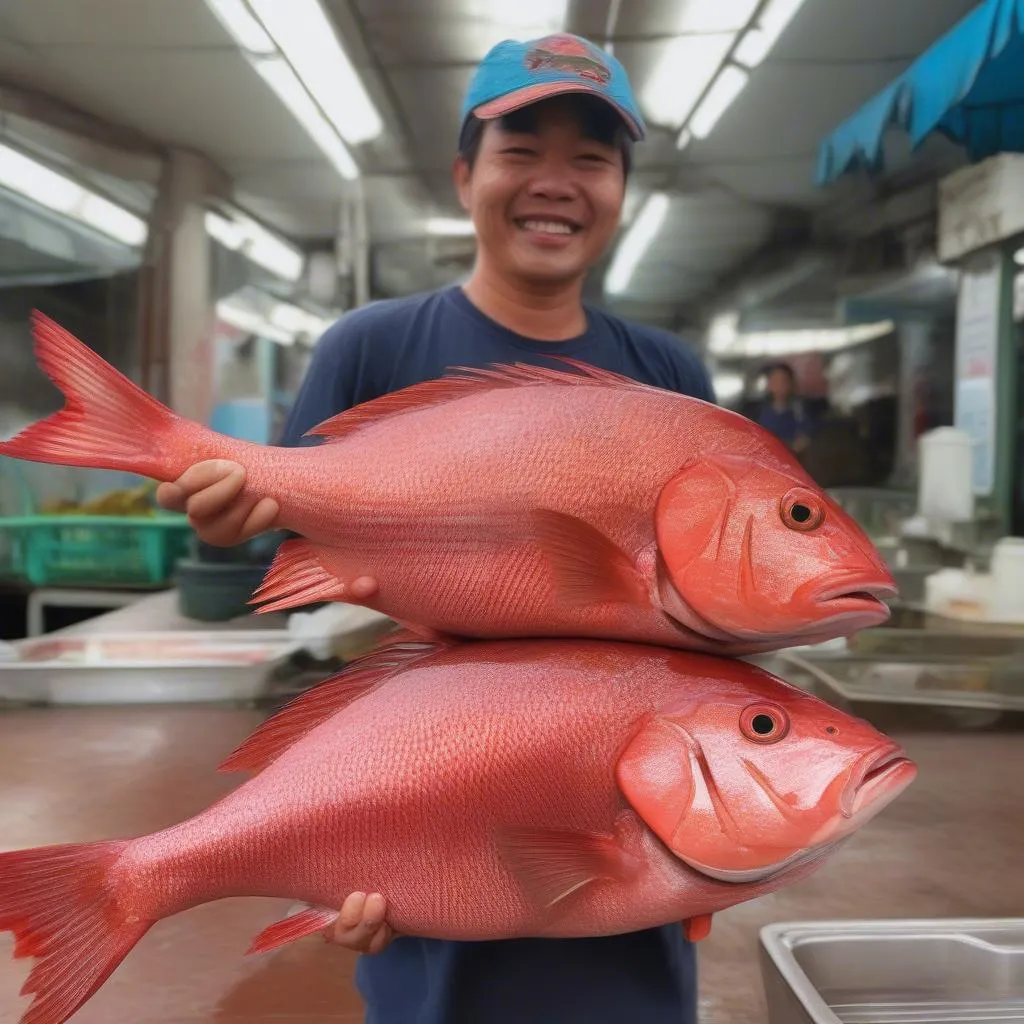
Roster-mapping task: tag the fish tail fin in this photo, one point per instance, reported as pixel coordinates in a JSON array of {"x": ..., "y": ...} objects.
[
  {"x": 64, "y": 907},
  {"x": 107, "y": 422}
]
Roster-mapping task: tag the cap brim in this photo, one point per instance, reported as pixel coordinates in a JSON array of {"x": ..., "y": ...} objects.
[{"x": 545, "y": 90}]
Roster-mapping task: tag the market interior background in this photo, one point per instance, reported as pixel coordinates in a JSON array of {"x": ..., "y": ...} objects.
[{"x": 197, "y": 188}]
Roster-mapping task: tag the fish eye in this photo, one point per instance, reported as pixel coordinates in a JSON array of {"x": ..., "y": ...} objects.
[
  {"x": 764, "y": 723},
  {"x": 802, "y": 510}
]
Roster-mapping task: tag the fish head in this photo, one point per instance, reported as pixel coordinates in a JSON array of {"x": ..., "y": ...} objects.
[
  {"x": 751, "y": 549},
  {"x": 745, "y": 778}
]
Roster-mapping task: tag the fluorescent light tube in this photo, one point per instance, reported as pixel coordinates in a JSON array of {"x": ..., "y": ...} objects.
[
  {"x": 636, "y": 242},
  {"x": 759, "y": 40},
  {"x": 681, "y": 76},
  {"x": 256, "y": 244},
  {"x": 54, "y": 191},
  {"x": 306, "y": 37},
  {"x": 451, "y": 227},
  {"x": 279, "y": 76},
  {"x": 726, "y": 87},
  {"x": 242, "y": 26}
]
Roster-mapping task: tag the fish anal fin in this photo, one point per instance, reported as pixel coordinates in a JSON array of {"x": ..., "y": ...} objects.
[
  {"x": 304, "y": 713},
  {"x": 297, "y": 577},
  {"x": 551, "y": 864},
  {"x": 697, "y": 928},
  {"x": 297, "y": 926},
  {"x": 589, "y": 567},
  {"x": 461, "y": 382}
]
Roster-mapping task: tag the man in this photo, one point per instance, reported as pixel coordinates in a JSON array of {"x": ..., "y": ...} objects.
[
  {"x": 783, "y": 412},
  {"x": 544, "y": 155}
]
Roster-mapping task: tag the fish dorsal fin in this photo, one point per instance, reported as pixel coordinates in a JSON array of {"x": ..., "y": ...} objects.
[
  {"x": 462, "y": 381},
  {"x": 312, "y": 708}
]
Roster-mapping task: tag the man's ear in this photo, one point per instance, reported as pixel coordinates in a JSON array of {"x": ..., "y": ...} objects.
[{"x": 461, "y": 175}]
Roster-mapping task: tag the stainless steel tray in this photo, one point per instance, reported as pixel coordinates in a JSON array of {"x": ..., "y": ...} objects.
[
  {"x": 894, "y": 972},
  {"x": 142, "y": 668},
  {"x": 936, "y": 680}
]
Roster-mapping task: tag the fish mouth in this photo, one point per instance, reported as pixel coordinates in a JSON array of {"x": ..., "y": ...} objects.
[
  {"x": 858, "y": 596},
  {"x": 879, "y": 778}
]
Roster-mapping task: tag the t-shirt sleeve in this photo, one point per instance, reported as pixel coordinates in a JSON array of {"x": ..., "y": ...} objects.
[{"x": 335, "y": 380}]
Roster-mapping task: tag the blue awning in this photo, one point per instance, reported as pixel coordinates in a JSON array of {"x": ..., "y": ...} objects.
[{"x": 969, "y": 86}]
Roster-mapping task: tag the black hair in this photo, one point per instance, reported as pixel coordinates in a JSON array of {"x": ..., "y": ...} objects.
[
  {"x": 599, "y": 122},
  {"x": 770, "y": 368}
]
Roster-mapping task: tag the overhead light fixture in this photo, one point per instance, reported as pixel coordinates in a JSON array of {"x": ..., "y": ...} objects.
[
  {"x": 54, "y": 191},
  {"x": 280, "y": 77},
  {"x": 241, "y": 23},
  {"x": 636, "y": 242},
  {"x": 296, "y": 320},
  {"x": 707, "y": 30},
  {"x": 539, "y": 15},
  {"x": 727, "y": 386},
  {"x": 295, "y": 50},
  {"x": 681, "y": 76},
  {"x": 306, "y": 37},
  {"x": 726, "y": 87},
  {"x": 757, "y": 43},
  {"x": 759, "y": 344},
  {"x": 450, "y": 227},
  {"x": 257, "y": 244},
  {"x": 246, "y": 319}
]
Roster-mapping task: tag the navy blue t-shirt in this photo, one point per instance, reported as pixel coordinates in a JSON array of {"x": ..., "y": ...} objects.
[{"x": 647, "y": 976}]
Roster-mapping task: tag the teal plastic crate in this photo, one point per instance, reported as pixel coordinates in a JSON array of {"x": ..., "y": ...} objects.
[{"x": 85, "y": 550}]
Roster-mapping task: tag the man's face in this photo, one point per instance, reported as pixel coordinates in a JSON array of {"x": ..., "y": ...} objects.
[
  {"x": 780, "y": 387},
  {"x": 546, "y": 201}
]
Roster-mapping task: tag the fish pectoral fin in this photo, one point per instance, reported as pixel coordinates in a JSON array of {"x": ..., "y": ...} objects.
[
  {"x": 589, "y": 568},
  {"x": 295, "y": 926},
  {"x": 296, "y": 577},
  {"x": 697, "y": 928},
  {"x": 551, "y": 864}
]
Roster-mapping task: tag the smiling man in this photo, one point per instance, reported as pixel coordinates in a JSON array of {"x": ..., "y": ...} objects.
[{"x": 544, "y": 154}]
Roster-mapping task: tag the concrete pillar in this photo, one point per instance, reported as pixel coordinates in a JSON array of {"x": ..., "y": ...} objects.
[
  {"x": 190, "y": 302},
  {"x": 915, "y": 356}
]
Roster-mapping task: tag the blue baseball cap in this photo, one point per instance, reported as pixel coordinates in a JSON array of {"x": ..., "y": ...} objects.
[{"x": 515, "y": 74}]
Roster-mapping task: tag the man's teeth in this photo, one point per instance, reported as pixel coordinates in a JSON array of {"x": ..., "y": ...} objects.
[{"x": 552, "y": 227}]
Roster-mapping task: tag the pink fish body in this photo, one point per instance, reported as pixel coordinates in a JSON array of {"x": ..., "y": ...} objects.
[
  {"x": 487, "y": 790},
  {"x": 518, "y": 502}
]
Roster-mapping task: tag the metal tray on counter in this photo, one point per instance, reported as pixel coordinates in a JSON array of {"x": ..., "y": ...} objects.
[
  {"x": 971, "y": 690},
  {"x": 143, "y": 668},
  {"x": 894, "y": 972}
]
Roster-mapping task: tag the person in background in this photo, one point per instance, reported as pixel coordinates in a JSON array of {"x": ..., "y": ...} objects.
[
  {"x": 784, "y": 412},
  {"x": 543, "y": 160}
]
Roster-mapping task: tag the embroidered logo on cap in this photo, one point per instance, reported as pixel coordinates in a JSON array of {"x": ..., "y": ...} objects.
[{"x": 564, "y": 53}]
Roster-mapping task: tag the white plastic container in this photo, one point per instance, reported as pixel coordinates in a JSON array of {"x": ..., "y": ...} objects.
[
  {"x": 945, "y": 489},
  {"x": 1008, "y": 580}
]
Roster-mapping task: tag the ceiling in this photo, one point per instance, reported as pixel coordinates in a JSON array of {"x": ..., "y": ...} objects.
[{"x": 168, "y": 71}]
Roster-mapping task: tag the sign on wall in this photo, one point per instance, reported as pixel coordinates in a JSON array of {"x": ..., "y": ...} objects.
[{"x": 977, "y": 346}]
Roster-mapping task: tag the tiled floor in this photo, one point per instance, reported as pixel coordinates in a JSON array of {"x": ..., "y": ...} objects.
[{"x": 950, "y": 846}]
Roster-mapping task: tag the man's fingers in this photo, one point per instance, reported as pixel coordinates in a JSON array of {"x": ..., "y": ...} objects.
[
  {"x": 171, "y": 497},
  {"x": 381, "y": 940},
  {"x": 261, "y": 518},
  {"x": 351, "y": 911},
  {"x": 210, "y": 501}
]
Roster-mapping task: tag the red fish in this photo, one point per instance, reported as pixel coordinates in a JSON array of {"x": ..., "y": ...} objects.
[
  {"x": 517, "y": 502},
  {"x": 574, "y": 787}
]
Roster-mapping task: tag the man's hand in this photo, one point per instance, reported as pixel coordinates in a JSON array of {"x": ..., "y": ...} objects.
[
  {"x": 210, "y": 492},
  {"x": 361, "y": 926}
]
